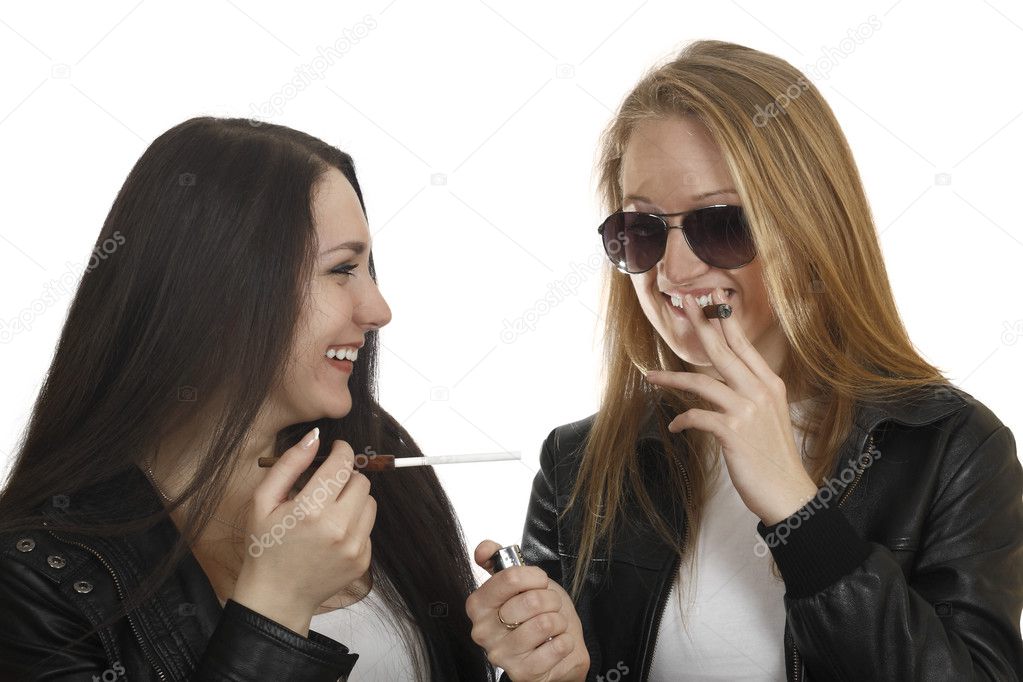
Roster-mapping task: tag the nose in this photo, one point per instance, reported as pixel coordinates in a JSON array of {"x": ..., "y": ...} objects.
[
  {"x": 679, "y": 263},
  {"x": 372, "y": 312}
]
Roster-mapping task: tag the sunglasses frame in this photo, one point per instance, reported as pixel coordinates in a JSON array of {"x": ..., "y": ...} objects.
[{"x": 662, "y": 217}]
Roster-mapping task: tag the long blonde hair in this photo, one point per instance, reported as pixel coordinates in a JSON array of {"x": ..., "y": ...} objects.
[{"x": 822, "y": 269}]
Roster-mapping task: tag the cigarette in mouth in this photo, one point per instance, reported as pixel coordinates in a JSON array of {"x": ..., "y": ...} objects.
[
  {"x": 388, "y": 462},
  {"x": 717, "y": 310}
]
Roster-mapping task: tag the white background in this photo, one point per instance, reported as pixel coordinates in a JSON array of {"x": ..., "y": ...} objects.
[{"x": 474, "y": 129}]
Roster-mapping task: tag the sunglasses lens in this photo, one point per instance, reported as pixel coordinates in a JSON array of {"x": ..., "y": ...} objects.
[
  {"x": 720, "y": 237},
  {"x": 634, "y": 241}
]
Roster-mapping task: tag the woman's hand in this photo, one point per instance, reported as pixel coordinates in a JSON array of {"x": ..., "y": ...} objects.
[
  {"x": 547, "y": 645},
  {"x": 753, "y": 423},
  {"x": 304, "y": 550}
]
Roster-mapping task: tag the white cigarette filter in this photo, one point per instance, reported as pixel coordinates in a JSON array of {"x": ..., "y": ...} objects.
[{"x": 455, "y": 459}]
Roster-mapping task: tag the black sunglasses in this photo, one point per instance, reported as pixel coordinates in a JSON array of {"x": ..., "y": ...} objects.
[{"x": 718, "y": 235}]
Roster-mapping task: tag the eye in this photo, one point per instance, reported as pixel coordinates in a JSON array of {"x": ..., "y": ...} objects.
[{"x": 348, "y": 269}]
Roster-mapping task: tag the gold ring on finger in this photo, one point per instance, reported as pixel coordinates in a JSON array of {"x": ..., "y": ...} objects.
[{"x": 510, "y": 626}]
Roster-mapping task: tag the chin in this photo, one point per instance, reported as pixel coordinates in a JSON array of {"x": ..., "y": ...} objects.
[
  {"x": 689, "y": 350},
  {"x": 340, "y": 409},
  {"x": 332, "y": 405}
]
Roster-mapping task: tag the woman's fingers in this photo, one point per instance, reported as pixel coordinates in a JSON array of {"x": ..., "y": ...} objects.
[
  {"x": 366, "y": 519},
  {"x": 714, "y": 391},
  {"x": 350, "y": 500},
  {"x": 326, "y": 528},
  {"x": 526, "y": 605},
  {"x": 549, "y": 655},
  {"x": 729, "y": 365},
  {"x": 482, "y": 604},
  {"x": 741, "y": 346},
  {"x": 274, "y": 488},
  {"x": 483, "y": 552},
  {"x": 538, "y": 613},
  {"x": 536, "y": 631},
  {"x": 547, "y": 643},
  {"x": 331, "y": 478}
]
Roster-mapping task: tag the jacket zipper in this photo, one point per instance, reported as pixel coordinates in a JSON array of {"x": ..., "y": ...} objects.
[
  {"x": 859, "y": 470},
  {"x": 797, "y": 667},
  {"x": 121, "y": 594},
  {"x": 659, "y": 614}
]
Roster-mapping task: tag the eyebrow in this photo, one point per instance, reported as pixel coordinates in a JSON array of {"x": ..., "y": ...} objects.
[
  {"x": 696, "y": 197},
  {"x": 357, "y": 247}
]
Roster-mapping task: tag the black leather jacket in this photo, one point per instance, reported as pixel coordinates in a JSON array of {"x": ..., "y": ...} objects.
[
  {"x": 914, "y": 573},
  {"x": 55, "y": 586}
]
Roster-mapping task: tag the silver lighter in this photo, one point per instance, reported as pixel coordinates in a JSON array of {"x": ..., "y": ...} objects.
[{"x": 505, "y": 557}]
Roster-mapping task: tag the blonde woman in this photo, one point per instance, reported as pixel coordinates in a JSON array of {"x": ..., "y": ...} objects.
[{"x": 788, "y": 492}]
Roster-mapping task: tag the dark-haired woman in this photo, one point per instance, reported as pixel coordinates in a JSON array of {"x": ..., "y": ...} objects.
[
  {"x": 804, "y": 428},
  {"x": 236, "y": 319}
]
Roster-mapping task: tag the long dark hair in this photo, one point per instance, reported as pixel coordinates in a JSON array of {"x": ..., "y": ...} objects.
[{"x": 190, "y": 314}]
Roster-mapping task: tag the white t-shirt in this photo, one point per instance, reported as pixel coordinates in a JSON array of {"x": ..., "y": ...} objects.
[
  {"x": 370, "y": 629},
  {"x": 734, "y": 613}
]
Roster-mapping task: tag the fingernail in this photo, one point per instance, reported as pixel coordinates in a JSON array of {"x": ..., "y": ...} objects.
[
  {"x": 721, "y": 295},
  {"x": 690, "y": 300},
  {"x": 313, "y": 436}
]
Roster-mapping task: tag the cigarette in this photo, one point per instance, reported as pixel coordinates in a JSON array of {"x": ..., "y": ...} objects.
[
  {"x": 388, "y": 462},
  {"x": 717, "y": 310}
]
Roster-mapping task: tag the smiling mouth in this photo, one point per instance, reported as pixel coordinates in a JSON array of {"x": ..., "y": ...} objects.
[
  {"x": 342, "y": 357},
  {"x": 702, "y": 301}
]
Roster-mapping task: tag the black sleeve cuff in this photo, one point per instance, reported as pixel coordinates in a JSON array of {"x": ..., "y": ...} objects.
[
  {"x": 813, "y": 548},
  {"x": 246, "y": 642}
]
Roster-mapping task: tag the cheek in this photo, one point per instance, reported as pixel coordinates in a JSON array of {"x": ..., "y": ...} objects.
[
  {"x": 326, "y": 313},
  {"x": 646, "y": 291},
  {"x": 754, "y": 293}
]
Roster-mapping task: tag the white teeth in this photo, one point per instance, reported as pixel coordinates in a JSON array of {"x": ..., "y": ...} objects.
[
  {"x": 706, "y": 299},
  {"x": 343, "y": 354}
]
